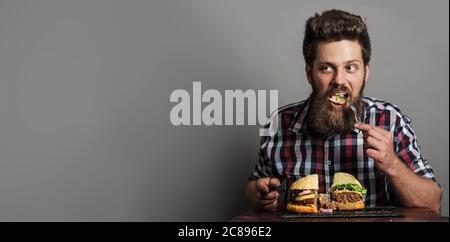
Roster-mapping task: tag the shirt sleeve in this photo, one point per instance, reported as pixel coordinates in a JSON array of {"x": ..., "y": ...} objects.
[
  {"x": 262, "y": 166},
  {"x": 408, "y": 150}
]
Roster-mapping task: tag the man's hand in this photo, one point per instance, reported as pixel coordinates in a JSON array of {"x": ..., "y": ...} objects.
[
  {"x": 261, "y": 194},
  {"x": 411, "y": 189},
  {"x": 380, "y": 147}
]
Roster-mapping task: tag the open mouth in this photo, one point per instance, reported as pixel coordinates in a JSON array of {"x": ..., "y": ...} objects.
[{"x": 339, "y": 98}]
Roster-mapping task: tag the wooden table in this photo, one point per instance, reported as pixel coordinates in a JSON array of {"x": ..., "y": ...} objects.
[{"x": 410, "y": 215}]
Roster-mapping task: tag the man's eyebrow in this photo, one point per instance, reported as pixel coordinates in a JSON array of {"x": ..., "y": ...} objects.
[
  {"x": 350, "y": 61},
  {"x": 345, "y": 62},
  {"x": 325, "y": 63}
]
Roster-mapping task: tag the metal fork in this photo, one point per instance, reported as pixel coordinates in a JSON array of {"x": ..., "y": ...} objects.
[
  {"x": 352, "y": 106},
  {"x": 357, "y": 119}
]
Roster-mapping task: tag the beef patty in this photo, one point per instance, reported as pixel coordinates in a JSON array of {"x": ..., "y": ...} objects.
[
  {"x": 305, "y": 202},
  {"x": 347, "y": 197}
]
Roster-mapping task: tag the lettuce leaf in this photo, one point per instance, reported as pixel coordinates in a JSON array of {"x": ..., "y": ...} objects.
[{"x": 350, "y": 187}]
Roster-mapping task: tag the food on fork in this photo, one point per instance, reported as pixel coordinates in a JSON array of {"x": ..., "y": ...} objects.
[{"x": 339, "y": 98}]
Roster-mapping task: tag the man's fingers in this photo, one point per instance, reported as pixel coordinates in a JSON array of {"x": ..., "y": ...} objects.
[
  {"x": 274, "y": 182},
  {"x": 264, "y": 202},
  {"x": 262, "y": 185},
  {"x": 364, "y": 127},
  {"x": 265, "y": 185},
  {"x": 373, "y": 154},
  {"x": 258, "y": 194},
  {"x": 265, "y": 199},
  {"x": 271, "y": 206},
  {"x": 270, "y": 195},
  {"x": 374, "y": 143},
  {"x": 377, "y": 134},
  {"x": 368, "y": 127}
]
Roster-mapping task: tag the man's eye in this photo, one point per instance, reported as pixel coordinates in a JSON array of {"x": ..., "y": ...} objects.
[
  {"x": 325, "y": 69},
  {"x": 351, "y": 68}
]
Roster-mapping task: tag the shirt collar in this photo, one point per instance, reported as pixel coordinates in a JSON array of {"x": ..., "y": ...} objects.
[{"x": 299, "y": 124}]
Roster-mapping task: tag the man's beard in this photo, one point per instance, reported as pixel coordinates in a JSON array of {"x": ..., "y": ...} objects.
[{"x": 325, "y": 122}]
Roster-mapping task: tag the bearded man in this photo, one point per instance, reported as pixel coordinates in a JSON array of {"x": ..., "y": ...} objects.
[{"x": 337, "y": 129}]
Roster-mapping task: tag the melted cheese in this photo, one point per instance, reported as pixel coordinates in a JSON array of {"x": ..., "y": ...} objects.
[{"x": 308, "y": 196}]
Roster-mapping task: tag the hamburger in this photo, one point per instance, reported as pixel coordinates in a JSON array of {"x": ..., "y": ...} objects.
[
  {"x": 346, "y": 192},
  {"x": 303, "y": 195}
]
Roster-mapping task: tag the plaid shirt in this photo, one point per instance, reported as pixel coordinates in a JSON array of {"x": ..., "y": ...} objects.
[{"x": 291, "y": 153}]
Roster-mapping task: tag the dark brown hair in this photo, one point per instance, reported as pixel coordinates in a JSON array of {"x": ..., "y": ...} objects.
[{"x": 335, "y": 25}]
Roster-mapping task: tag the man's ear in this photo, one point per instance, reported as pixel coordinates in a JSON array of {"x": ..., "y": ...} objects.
[
  {"x": 367, "y": 72},
  {"x": 308, "y": 71}
]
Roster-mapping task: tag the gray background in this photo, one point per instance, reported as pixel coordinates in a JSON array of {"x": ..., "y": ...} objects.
[{"x": 84, "y": 98}]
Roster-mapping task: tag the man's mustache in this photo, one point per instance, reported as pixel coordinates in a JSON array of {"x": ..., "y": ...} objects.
[{"x": 336, "y": 89}]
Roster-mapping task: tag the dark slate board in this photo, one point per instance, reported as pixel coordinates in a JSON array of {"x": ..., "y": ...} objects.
[{"x": 368, "y": 212}]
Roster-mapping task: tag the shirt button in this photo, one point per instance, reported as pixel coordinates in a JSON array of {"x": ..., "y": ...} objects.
[{"x": 328, "y": 162}]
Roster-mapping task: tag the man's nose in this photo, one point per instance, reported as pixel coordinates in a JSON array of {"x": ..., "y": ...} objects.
[{"x": 339, "y": 78}]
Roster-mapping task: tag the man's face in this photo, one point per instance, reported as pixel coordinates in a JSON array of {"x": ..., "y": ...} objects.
[{"x": 338, "y": 68}]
